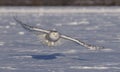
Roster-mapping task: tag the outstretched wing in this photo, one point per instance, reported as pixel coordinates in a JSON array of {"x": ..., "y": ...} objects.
[
  {"x": 31, "y": 28},
  {"x": 40, "y": 33},
  {"x": 91, "y": 47}
]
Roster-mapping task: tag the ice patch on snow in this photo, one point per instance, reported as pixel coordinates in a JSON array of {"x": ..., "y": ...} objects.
[
  {"x": 8, "y": 68},
  {"x": 83, "y": 22},
  {"x": 79, "y": 23},
  {"x": 73, "y": 23},
  {"x": 100, "y": 41},
  {"x": 21, "y": 33},
  {"x": 38, "y": 24},
  {"x": 92, "y": 28},
  {"x": 12, "y": 23},
  {"x": 117, "y": 38},
  {"x": 88, "y": 67},
  {"x": 22, "y": 57},
  {"x": 70, "y": 51},
  {"x": 107, "y": 50},
  {"x": 111, "y": 64},
  {"x": 93, "y": 67},
  {"x": 2, "y": 43},
  {"x": 7, "y": 27}
]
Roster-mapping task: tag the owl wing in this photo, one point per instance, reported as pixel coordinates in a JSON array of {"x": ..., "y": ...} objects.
[
  {"x": 31, "y": 28},
  {"x": 40, "y": 33},
  {"x": 91, "y": 47}
]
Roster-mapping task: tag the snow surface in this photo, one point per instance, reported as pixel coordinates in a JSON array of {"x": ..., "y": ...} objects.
[{"x": 21, "y": 51}]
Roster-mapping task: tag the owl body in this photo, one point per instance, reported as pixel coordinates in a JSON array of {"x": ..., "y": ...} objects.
[{"x": 53, "y": 38}]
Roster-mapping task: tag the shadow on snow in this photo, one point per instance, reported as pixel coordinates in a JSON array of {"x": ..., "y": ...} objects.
[
  {"x": 53, "y": 56},
  {"x": 47, "y": 57}
]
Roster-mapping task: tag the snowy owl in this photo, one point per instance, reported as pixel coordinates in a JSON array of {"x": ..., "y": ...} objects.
[{"x": 52, "y": 37}]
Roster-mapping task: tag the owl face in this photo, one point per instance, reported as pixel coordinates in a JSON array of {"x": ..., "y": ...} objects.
[{"x": 53, "y": 36}]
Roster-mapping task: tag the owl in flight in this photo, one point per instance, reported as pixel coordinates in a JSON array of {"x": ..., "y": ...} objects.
[{"x": 53, "y": 37}]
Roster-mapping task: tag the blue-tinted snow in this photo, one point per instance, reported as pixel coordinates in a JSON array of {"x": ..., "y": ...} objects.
[{"x": 21, "y": 51}]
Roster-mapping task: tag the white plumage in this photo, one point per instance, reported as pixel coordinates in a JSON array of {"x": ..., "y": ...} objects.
[{"x": 52, "y": 37}]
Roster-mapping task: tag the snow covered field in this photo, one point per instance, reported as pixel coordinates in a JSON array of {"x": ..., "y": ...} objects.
[{"x": 21, "y": 51}]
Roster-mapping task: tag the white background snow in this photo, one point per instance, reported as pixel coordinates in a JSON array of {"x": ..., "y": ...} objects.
[{"x": 21, "y": 51}]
